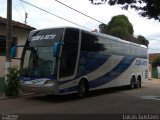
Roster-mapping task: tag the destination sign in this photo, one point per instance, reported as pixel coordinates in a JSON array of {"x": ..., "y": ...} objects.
[{"x": 43, "y": 37}]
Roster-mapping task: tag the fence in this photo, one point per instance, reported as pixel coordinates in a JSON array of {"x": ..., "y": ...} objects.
[{"x": 154, "y": 73}]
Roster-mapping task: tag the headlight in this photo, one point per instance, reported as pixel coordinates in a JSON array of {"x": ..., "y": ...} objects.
[{"x": 48, "y": 82}]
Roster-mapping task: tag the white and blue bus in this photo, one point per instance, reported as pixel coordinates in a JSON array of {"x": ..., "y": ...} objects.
[{"x": 70, "y": 60}]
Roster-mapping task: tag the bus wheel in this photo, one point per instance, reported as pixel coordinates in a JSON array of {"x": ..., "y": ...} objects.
[
  {"x": 82, "y": 89},
  {"x": 132, "y": 83},
  {"x": 138, "y": 83}
]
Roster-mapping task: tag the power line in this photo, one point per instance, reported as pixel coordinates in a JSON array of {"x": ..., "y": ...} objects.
[
  {"x": 142, "y": 19},
  {"x": 64, "y": 18},
  {"x": 54, "y": 14},
  {"x": 15, "y": 7},
  {"x": 150, "y": 39},
  {"x": 23, "y": 6},
  {"x": 79, "y": 12},
  {"x": 100, "y": 21}
]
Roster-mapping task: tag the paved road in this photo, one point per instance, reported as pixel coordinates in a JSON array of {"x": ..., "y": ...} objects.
[{"x": 121, "y": 100}]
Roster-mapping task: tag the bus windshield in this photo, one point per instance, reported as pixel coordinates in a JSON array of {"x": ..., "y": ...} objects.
[{"x": 38, "y": 62}]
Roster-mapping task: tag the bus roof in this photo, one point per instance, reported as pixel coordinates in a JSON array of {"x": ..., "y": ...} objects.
[
  {"x": 95, "y": 33},
  {"x": 114, "y": 38}
]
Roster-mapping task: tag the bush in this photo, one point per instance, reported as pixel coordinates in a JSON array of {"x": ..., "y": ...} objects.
[{"x": 12, "y": 87}]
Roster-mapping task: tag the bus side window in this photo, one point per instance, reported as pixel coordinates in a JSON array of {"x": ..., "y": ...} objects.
[{"x": 91, "y": 43}]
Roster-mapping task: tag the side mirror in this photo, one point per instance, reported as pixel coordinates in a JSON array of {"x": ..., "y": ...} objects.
[
  {"x": 14, "y": 50},
  {"x": 56, "y": 48}
]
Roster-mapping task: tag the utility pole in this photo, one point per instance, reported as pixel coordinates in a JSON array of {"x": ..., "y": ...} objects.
[{"x": 9, "y": 36}]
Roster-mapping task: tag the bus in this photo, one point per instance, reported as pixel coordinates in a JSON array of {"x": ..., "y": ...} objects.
[{"x": 68, "y": 60}]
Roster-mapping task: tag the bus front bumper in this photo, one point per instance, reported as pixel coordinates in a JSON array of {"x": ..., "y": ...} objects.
[{"x": 34, "y": 88}]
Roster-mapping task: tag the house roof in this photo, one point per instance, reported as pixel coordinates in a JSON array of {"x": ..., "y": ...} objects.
[{"x": 3, "y": 21}]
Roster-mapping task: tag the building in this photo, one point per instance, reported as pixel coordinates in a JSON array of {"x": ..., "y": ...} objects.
[
  {"x": 153, "y": 72},
  {"x": 19, "y": 35}
]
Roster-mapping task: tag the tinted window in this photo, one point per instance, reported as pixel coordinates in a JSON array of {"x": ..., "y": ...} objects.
[
  {"x": 69, "y": 53},
  {"x": 115, "y": 47},
  {"x": 133, "y": 50},
  {"x": 119, "y": 48},
  {"x": 91, "y": 43},
  {"x": 106, "y": 44},
  {"x": 124, "y": 48}
]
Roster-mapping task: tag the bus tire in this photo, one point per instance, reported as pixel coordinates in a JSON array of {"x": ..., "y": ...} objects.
[
  {"x": 138, "y": 83},
  {"x": 132, "y": 83},
  {"x": 82, "y": 88}
]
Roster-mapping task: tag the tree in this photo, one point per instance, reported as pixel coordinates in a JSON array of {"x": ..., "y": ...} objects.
[
  {"x": 12, "y": 87},
  {"x": 119, "y": 26},
  {"x": 146, "y": 8},
  {"x": 142, "y": 40}
]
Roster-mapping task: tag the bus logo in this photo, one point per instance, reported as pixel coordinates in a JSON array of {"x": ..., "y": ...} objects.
[{"x": 141, "y": 63}]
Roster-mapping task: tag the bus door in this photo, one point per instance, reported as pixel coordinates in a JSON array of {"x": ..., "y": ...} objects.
[{"x": 69, "y": 55}]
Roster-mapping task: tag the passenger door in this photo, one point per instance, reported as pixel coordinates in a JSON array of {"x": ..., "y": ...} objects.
[{"x": 69, "y": 55}]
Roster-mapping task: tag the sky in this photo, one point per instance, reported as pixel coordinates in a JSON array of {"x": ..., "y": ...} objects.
[{"x": 150, "y": 29}]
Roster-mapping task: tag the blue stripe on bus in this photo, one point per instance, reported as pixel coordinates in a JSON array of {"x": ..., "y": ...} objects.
[
  {"x": 90, "y": 61},
  {"x": 87, "y": 66},
  {"x": 70, "y": 89},
  {"x": 114, "y": 73}
]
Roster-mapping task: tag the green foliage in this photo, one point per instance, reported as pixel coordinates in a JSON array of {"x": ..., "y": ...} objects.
[
  {"x": 121, "y": 22},
  {"x": 12, "y": 83},
  {"x": 146, "y": 8},
  {"x": 142, "y": 40},
  {"x": 119, "y": 26},
  {"x": 103, "y": 28},
  {"x": 118, "y": 32}
]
